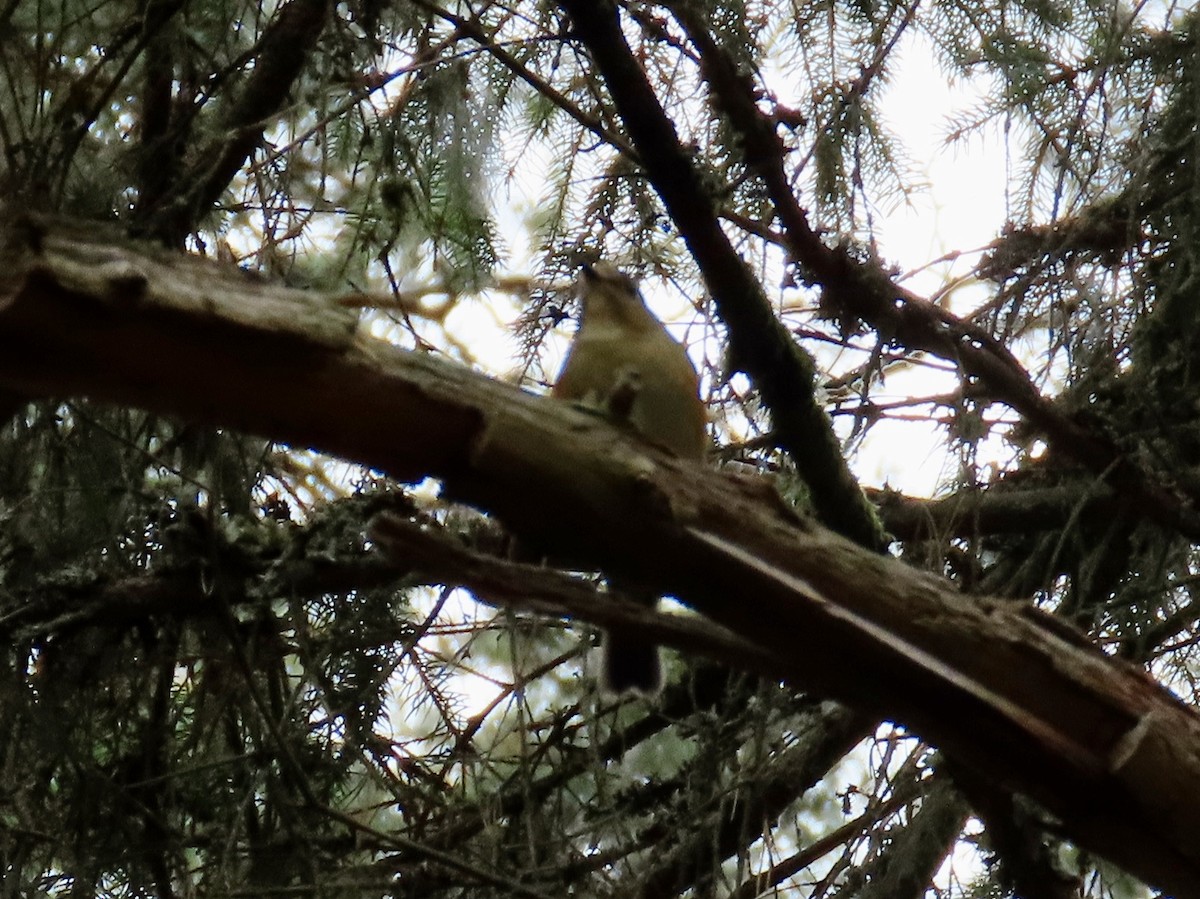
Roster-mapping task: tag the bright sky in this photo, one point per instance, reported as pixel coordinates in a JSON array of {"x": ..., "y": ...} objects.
[{"x": 961, "y": 208}]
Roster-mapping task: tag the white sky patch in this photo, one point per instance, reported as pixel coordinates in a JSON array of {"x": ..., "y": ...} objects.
[
  {"x": 961, "y": 208},
  {"x": 963, "y": 205}
]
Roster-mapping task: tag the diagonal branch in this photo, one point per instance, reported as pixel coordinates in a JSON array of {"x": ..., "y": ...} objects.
[
  {"x": 759, "y": 343},
  {"x": 863, "y": 290},
  {"x": 977, "y": 513}
]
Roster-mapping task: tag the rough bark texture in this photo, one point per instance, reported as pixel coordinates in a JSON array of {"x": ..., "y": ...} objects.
[{"x": 1017, "y": 697}]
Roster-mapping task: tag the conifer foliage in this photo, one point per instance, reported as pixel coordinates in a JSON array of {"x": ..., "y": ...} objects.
[{"x": 213, "y": 682}]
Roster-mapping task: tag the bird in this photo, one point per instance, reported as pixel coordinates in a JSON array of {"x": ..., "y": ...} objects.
[{"x": 624, "y": 364}]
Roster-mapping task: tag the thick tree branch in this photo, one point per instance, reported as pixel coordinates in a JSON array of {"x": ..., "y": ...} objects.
[
  {"x": 1007, "y": 692},
  {"x": 975, "y": 513},
  {"x": 164, "y": 127},
  {"x": 1027, "y": 864}
]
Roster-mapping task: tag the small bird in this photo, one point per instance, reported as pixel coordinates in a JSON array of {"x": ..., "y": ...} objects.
[{"x": 625, "y": 364}]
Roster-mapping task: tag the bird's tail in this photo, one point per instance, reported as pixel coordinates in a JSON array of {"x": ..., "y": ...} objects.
[{"x": 631, "y": 662}]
